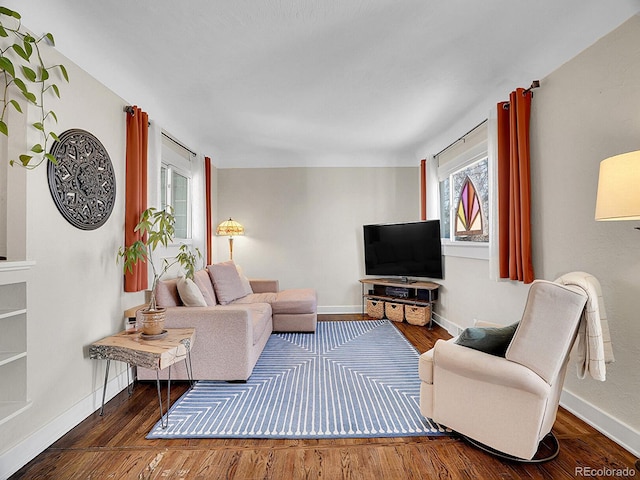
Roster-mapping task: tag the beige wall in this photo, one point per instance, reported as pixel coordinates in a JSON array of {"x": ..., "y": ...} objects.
[
  {"x": 304, "y": 225},
  {"x": 585, "y": 111},
  {"x": 74, "y": 294}
]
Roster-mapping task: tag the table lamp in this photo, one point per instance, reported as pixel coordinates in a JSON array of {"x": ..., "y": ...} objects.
[
  {"x": 619, "y": 188},
  {"x": 230, "y": 228}
]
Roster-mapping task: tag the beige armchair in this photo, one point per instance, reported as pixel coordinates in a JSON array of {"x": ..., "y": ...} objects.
[{"x": 509, "y": 403}]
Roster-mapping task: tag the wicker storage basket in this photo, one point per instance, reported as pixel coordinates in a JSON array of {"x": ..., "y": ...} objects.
[
  {"x": 417, "y": 315},
  {"x": 375, "y": 308},
  {"x": 394, "y": 311}
]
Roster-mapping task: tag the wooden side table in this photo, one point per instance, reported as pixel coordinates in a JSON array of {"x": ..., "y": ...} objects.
[{"x": 154, "y": 354}]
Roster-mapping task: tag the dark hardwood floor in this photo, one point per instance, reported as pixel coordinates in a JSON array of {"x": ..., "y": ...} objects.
[{"x": 114, "y": 446}]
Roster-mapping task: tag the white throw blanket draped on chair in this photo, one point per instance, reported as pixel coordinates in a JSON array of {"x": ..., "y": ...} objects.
[{"x": 594, "y": 341}]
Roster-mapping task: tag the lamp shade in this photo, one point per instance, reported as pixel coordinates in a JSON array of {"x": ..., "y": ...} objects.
[
  {"x": 230, "y": 228},
  {"x": 619, "y": 188}
]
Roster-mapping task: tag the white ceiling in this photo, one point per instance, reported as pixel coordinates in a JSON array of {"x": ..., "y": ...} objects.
[{"x": 320, "y": 82}]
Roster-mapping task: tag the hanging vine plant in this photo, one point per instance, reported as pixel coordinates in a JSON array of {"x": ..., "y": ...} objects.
[{"x": 24, "y": 73}]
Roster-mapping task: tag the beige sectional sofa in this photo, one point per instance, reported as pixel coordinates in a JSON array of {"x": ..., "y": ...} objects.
[{"x": 233, "y": 318}]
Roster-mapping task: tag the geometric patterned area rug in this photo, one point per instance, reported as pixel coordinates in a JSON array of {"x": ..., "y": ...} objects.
[{"x": 349, "y": 379}]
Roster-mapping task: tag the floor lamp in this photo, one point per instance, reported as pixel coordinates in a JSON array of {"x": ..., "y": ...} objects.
[
  {"x": 230, "y": 228},
  {"x": 619, "y": 188}
]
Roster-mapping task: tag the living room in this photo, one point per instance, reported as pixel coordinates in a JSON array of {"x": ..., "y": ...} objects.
[{"x": 304, "y": 222}]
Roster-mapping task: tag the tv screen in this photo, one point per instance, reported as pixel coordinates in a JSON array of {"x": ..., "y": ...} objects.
[{"x": 403, "y": 249}]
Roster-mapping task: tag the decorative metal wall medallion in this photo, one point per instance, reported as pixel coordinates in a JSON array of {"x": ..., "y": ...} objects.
[{"x": 82, "y": 184}]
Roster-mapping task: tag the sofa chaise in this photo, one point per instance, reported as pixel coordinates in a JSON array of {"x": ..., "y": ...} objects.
[{"x": 233, "y": 318}]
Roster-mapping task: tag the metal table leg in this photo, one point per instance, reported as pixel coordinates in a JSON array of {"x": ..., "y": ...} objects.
[
  {"x": 164, "y": 422},
  {"x": 189, "y": 367},
  {"x": 104, "y": 389},
  {"x": 130, "y": 382},
  {"x": 106, "y": 378}
]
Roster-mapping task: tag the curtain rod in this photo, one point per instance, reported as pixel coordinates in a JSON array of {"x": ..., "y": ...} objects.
[
  {"x": 179, "y": 144},
  {"x": 534, "y": 84},
  {"x": 461, "y": 138},
  {"x": 129, "y": 109}
]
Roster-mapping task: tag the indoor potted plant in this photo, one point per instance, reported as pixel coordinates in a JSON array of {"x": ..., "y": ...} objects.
[{"x": 157, "y": 227}]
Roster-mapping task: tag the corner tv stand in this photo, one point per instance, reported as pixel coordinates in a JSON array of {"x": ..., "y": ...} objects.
[{"x": 399, "y": 291}]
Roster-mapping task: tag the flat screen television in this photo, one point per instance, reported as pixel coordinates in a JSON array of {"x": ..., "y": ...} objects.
[{"x": 406, "y": 250}]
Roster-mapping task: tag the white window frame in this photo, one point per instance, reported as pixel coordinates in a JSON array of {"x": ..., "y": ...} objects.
[
  {"x": 460, "y": 248},
  {"x": 176, "y": 158},
  {"x": 168, "y": 193}
]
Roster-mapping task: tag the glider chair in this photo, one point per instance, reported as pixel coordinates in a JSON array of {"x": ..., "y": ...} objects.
[{"x": 506, "y": 401}]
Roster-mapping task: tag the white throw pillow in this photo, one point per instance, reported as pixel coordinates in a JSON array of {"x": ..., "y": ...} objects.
[{"x": 190, "y": 294}]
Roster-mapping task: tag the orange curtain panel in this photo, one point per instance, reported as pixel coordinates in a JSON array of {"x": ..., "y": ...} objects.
[
  {"x": 423, "y": 189},
  {"x": 514, "y": 187},
  {"x": 136, "y": 190},
  {"x": 208, "y": 206}
]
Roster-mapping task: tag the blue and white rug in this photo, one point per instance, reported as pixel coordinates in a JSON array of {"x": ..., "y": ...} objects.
[{"x": 349, "y": 379}]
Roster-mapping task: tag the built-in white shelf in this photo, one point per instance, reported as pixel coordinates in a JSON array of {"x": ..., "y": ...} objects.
[
  {"x": 12, "y": 266},
  {"x": 13, "y": 338},
  {"x": 8, "y": 410},
  {"x": 8, "y": 357},
  {"x": 8, "y": 313}
]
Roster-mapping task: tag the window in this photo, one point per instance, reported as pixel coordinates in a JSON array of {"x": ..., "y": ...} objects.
[
  {"x": 175, "y": 185},
  {"x": 461, "y": 175},
  {"x": 174, "y": 192},
  {"x": 464, "y": 209}
]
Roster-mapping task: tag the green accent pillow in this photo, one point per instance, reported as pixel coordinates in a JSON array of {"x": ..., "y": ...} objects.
[{"x": 491, "y": 340}]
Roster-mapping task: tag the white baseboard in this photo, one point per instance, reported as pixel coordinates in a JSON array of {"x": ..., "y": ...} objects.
[
  {"x": 339, "y": 309},
  {"x": 16, "y": 457},
  {"x": 624, "y": 435},
  {"x": 453, "y": 328}
]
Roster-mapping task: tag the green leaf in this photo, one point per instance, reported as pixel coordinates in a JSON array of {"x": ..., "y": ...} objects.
[
  {"x": 29, "y": 96},
  {"x": 9, "y": 13},
  {"x": 64, "y": 72},
  {"x": 20, "y": 84},
  {"x": 51, "y": 158},
  {"x": 38, "y": 126},
  {"x": 44, "y": 74},
  {"x": 3, "y": 32},
  {"x": 25, "y": 159},
  {"x": 30, "y": 74},
  {"x": 37, "y": 148},
  {"x": 55, "y": 89},
  {"x": 16, "y": 105},
  {"x": 53, "y": 114},
  {"x": 3, "y": 128},
  {"x": 49, "y": 37},
  {"x": 7, "y": 66},
  {"x": 54, "y": 136},
  {"x": 20, "y": 51},
  {"x": 28, "y": 48}
]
